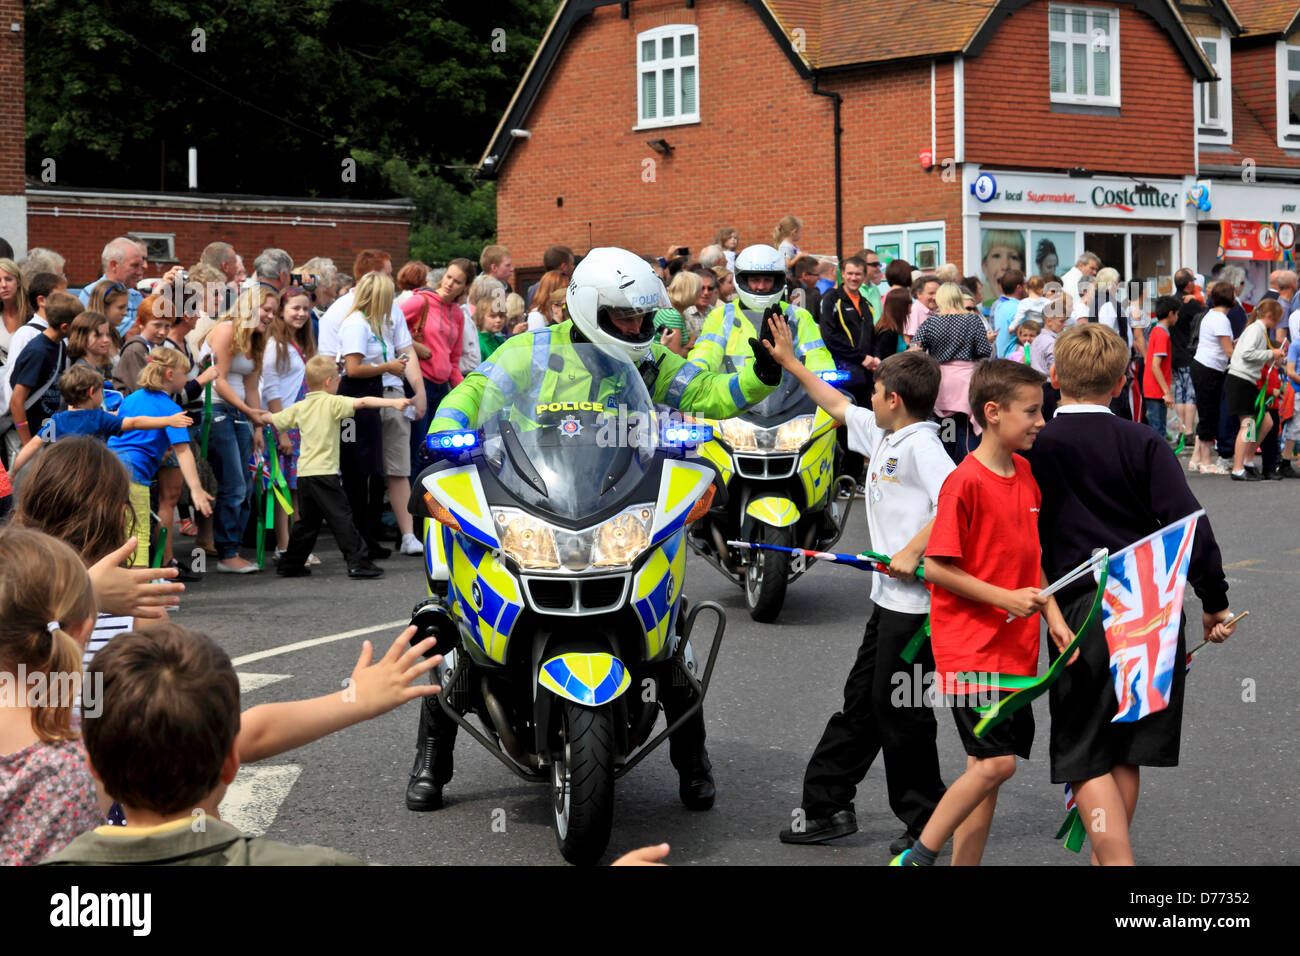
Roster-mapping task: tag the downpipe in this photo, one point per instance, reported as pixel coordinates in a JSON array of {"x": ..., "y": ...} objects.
[{"x": 501, "y": 724}]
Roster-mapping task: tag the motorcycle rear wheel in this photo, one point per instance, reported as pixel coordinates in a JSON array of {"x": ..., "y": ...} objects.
[
  {"x": 582, "y": 782},
  {"x": 766, "y": 576}
]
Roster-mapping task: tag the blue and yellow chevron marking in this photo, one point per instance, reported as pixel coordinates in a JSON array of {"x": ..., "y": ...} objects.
[
  {"x": 460, "y": 491},
  {"x": 656, "y": 593},
  {"x": 590, "y": 679},
  {"x": 491, "y": 620},
  {"x": 815, "y": 467},
  {"x": 680, "y": 487},
  {"x": 773, "y": 510},
  {"x": 715, "y": 454}
]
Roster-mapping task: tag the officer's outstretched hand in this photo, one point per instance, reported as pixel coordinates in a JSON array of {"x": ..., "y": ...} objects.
[
  {"x": 765, "y": 329},
  {"x": 780, "y": 344}
]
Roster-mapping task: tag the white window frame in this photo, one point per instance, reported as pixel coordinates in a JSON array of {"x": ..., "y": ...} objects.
[
  {"x": 907, "y": 228},
  {"x": 658, "y": 65},
  {"x": 1217, "y": 132},
  {"x": 167, "y": 237},
  {"x": 1068, "y": 37},
  {"x": 1288, "y": 133}
]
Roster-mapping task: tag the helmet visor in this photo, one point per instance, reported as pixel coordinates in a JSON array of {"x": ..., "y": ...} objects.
[{"x": 628, "y": 324}]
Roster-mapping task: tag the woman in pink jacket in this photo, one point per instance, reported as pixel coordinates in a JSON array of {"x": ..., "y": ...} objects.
[{"x": 437, "y": 327}]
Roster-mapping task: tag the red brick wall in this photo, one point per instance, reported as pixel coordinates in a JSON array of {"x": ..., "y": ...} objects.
[
  {"x": 81, "y": 240},
  {"x": 763, "y": 147},
  {"x": 13, "y": 113},
  {"x": 1010, "y": 122}
]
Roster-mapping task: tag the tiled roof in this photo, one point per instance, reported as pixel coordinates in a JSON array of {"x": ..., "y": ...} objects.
[
  {"x": 1265, "y": 16},
  {"x": 843, "y": 32}
]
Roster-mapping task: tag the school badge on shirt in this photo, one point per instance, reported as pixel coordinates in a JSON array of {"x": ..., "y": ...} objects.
[{"x": 891, "y": 466}]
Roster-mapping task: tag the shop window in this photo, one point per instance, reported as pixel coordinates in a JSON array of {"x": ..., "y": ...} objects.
[
  {"x": 1288, "y": 95},
  {"x": 668, "y": 64},
  {"x": 1214, "y": 99},
  {"x": 1083, "y": 55}
]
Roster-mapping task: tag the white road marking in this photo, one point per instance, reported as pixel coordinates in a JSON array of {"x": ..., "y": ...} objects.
[
  {"x": 253, "y": 800},
  {"x": 328, "y": 638},
  {"x": 252, "y": 682}
]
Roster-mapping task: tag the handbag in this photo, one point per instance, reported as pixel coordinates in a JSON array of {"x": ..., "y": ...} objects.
[{"x": 417, "y": 338}]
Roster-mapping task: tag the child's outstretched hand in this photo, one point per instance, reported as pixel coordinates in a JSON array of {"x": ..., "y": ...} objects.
[
  {"x": 202, "y": 501},
  {"x": 646, "y": 856},
  {"x": 179, "y": 420},
  {"x": 782, "y": 345},
  {"x": 131, "y": 592},
  {"x": 378, "y": 688}
]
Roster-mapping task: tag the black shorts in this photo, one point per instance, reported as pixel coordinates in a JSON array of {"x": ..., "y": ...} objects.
[
  {"x": 1015, "y": 735},
  {"x": 1083, "y": 742},
  {"x": 1241, "y": 396}
]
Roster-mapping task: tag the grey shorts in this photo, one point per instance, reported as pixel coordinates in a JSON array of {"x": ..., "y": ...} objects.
[{"x": 397, "y": 437}]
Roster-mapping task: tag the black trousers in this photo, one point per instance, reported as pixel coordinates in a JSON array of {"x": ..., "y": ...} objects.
[
  {"x": 685, "y": 746},
  {"x": 321, "y": 499},
  {"x": 870, "y": 722},
  {"x": 365, "y": 494}
]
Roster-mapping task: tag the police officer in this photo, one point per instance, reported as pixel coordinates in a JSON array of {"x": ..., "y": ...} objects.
[{"x": 612, "y": 298}]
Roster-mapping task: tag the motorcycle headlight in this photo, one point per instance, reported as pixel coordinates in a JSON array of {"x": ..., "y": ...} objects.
[
  {"x": 792, "y": 435},
  {"x": 619, "y": 540},
  {"x": 739, "y": 435},
  {"x": 529, "y": 541}
]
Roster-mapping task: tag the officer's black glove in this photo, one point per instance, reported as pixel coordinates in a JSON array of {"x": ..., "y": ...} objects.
[
  {"x": 765, "y": 328},
  {"x": 766, "y": 367}
]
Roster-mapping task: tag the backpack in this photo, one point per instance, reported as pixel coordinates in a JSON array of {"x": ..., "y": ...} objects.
[{"x": 1194, "y": 336}]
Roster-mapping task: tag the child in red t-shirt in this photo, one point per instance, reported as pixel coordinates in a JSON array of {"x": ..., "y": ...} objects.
[
  {"x": 983, "y": 562},
  {"x": 1157, "y": 380}
]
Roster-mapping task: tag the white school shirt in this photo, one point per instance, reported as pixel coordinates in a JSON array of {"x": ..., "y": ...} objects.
[
  {"x": 22, "y": 335},
  {"x": 396, "y": 333},
  {"x": 907, "y": 469}
]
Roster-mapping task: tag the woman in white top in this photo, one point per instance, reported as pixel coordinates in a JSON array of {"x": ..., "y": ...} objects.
[
  {"x": 284, "y": 366},
  {"x": 1251, "y": 356},
  {"x": 236, "y": 345},
  {"x": 541, "y": 313},
  {"x": 376, "y": 353},
  {"x": 1209, "y": 368}
]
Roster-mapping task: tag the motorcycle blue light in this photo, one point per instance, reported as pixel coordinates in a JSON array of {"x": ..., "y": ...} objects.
[
  {"x": 451, "y": 441},
  {"x": 834, "y": 376},
  {"x": 691, "y": 434}
]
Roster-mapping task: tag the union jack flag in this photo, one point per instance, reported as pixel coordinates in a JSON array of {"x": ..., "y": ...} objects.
[
  {"x": 1141, "y": 612},
  {"x": 260, "y": 464}
]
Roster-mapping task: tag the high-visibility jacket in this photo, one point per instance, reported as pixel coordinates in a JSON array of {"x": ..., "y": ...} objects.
[
  {"x": 728, "y": 329},
  {"x": 528, "y": 358}
]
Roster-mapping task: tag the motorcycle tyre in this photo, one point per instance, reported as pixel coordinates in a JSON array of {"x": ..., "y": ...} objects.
[
  {"x": 588, "y": 757},
  {"x": 765, "y": 601}
]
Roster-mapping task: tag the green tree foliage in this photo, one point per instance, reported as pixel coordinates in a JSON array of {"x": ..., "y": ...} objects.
[{"x": 278, "y": 94}]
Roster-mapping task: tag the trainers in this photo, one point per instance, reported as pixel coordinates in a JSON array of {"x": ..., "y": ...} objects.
[
  {"x": 901, "y": 859},
  {"x": 366, "y": 570},
  {"x": 1246, "y": 474},
  {"x": 411, "y": 545},
  {"x": 248, "y": 567}
]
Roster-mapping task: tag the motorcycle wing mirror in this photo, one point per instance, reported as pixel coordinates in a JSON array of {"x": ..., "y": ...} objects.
[{"x": 452, "y": 444}]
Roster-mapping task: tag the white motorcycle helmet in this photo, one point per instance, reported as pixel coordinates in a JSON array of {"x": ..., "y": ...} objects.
[
  {"x": 613, "y": 283},
  {"x": 760, "y": 261}
]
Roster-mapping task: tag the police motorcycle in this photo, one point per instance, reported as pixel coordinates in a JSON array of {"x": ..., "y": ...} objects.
[
  {"x": 777, "y": 462},
  {"x": 563, "y": 524}
]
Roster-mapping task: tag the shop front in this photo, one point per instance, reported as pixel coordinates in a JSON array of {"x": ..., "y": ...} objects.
[
  {"x": 1253, "y": 225},
  {"x": 1041, "y": 222}
]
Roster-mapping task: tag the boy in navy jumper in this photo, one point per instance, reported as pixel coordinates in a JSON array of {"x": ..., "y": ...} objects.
[{"x": 1107, "y": 482}]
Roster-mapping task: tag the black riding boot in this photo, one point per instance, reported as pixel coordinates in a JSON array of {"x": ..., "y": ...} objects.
[
  {"x": 687, "y": 752},
  {"x": 433, "y": 757}
]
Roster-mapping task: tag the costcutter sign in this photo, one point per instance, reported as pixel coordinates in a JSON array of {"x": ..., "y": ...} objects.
[{"x": 1098, "y": 197}]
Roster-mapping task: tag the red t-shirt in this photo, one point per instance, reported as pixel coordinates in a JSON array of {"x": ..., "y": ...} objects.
[
  {"x": 1157, "y": 344},
  {"x": 988, "y": 526}
]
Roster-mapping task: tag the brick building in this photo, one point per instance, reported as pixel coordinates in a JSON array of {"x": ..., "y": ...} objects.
[
  {"x": 987, "y": 132},
  {"x": 77, "y": 223}
]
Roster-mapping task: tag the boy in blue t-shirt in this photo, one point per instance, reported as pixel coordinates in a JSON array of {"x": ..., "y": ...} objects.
[
  {"x": 83, "y": 389},
  {"x": 143, "y": 451}
]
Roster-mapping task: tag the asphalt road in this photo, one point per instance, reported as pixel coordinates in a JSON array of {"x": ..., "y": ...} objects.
[{"x": 1231, "y": 801}]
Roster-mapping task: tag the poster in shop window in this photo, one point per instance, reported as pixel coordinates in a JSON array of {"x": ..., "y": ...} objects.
[
  {"x": 1248, "y": 239},
  {"x": 1001, "y": 250}
]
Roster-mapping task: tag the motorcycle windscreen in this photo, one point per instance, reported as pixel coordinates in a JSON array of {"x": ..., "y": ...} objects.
[
  {"x": 789, "y": 398},
  {"x": 563, "y": 432}
]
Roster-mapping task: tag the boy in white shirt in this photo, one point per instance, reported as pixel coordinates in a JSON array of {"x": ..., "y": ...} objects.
[{"x": 908, "y": 465}]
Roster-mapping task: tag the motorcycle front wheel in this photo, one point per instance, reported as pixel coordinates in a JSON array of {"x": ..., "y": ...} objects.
[
  {"x": 766, "y": 576},
  {"x": 582, "y": 782}
]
